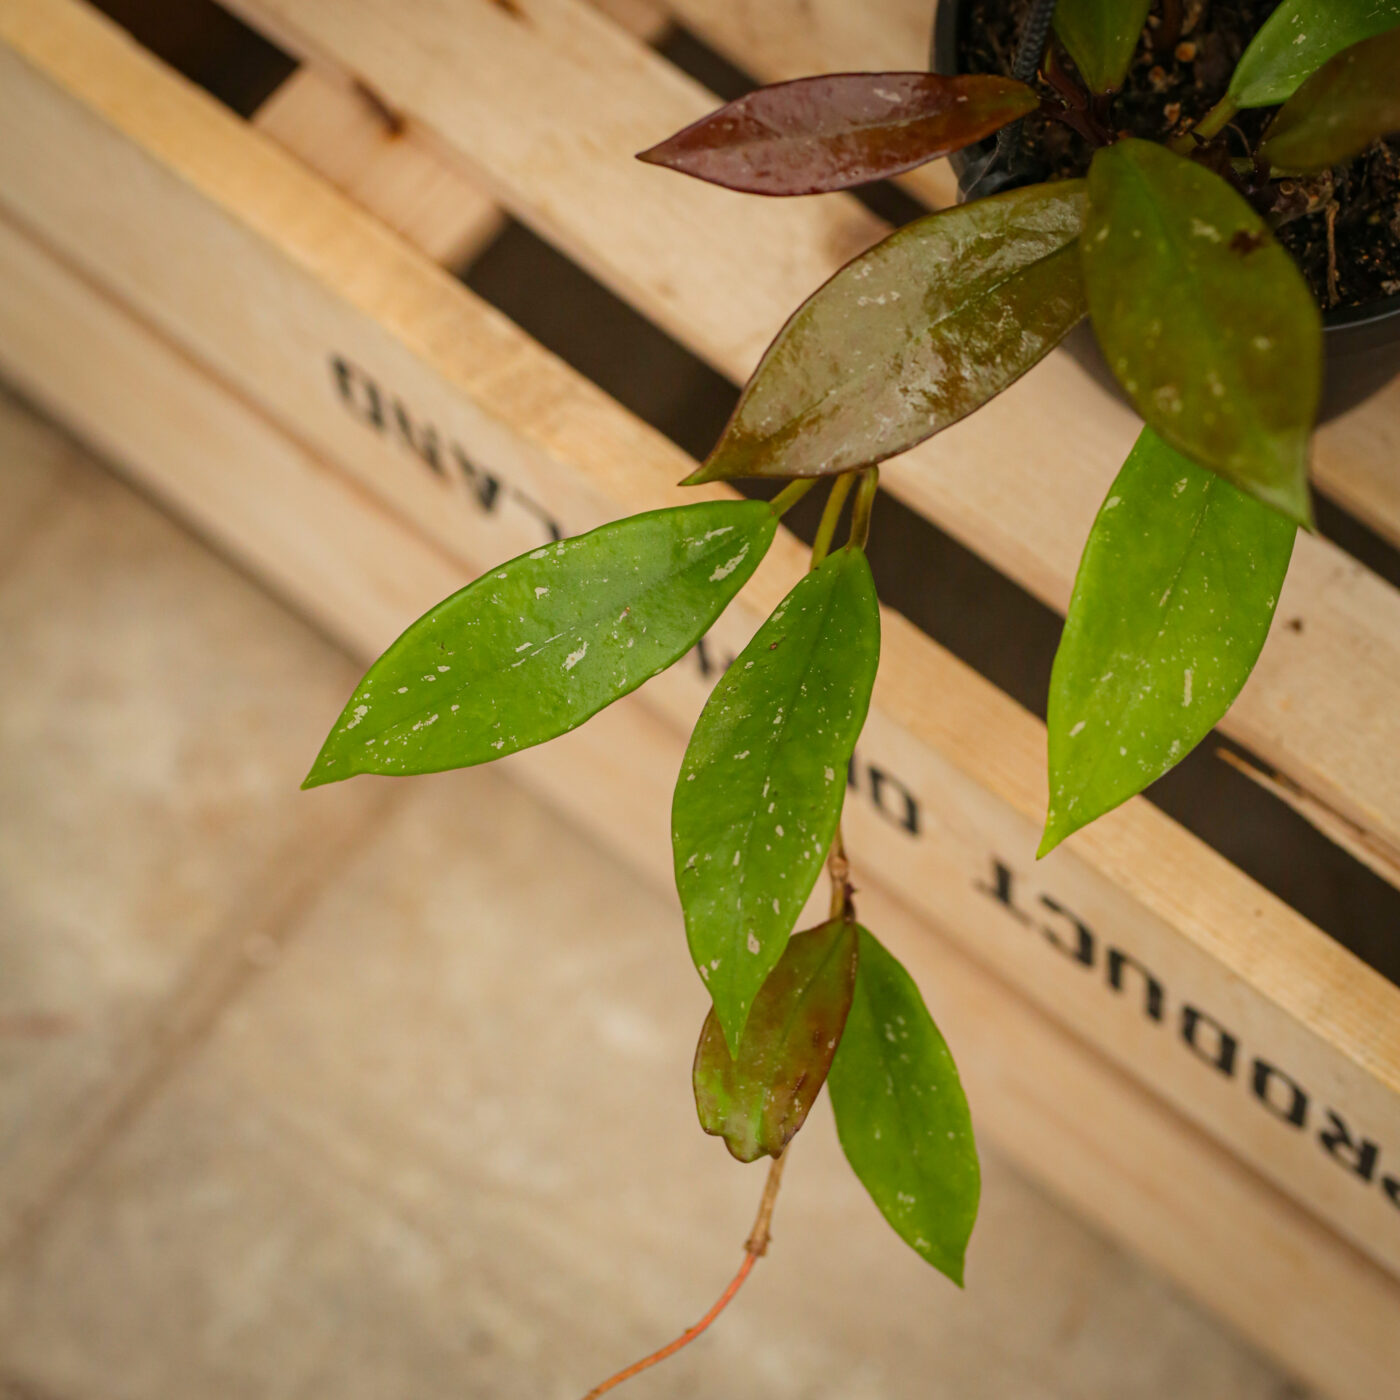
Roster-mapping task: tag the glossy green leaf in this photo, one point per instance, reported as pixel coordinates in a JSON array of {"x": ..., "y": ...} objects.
[
  {"x": 911, "y": 336},
  {"x": 901, "y": 1114},
  {"x": 758, "y": 1100},
  {"x": 1175, "y": 594},
  {"x": 1204, "y": 318},
  {"x": 760, "y": 790},
  {"x": 1101, "y": 36},
  {"x": 841, "y": 129},
  {"x": 1349, "y": 102},
  {"x": 538, "y": 645},
  {"x": 1298, "y": 38}
]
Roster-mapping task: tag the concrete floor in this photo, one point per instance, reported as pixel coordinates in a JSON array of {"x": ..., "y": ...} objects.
[{"x": 331, "y": 1094}]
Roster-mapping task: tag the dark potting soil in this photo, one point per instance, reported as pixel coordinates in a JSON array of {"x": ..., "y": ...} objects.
[{"x": 1177, "y": 78}]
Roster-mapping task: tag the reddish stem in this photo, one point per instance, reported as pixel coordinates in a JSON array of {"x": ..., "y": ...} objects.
[
  {"x": 685, "y": 1338},
  {"x": 754, "y": 1248}
]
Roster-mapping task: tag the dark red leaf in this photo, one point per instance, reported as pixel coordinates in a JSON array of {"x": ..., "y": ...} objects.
[{"x": 841, "y": 129}]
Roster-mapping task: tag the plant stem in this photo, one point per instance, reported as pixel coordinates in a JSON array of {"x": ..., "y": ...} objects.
[
  {"x": 755, "y": 1247},
  {"x": 839, "y": 870},
  {"x": 1170, "y": 30},
  {"x": 865, "y": 504},
  {"x": 826, "y": 531},
  {"x": 791, "y": 494},
  {"x": 1212, "y": 124}
]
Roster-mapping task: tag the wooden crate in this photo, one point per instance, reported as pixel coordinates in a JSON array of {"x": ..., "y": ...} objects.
[{"x": 252, "y": 317}]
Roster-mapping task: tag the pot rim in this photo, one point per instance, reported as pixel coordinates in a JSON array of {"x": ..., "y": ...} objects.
[{"x": 943, "y": 47}]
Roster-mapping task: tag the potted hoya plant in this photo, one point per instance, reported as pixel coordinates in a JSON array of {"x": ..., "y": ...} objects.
[{"x": 1210, "y": 188}]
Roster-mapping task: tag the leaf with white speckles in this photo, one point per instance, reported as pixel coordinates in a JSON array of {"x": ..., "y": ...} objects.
[
  {"x": 538, "y": 645},
  {"x": 761, "y": 786},
  {"x": 1175, "y": 594},
  {"x": 756, "y": 1101},
  {"x": 1204, "y": 319},
  {"x": 1297, "y": 39},
  {"x": 911, "y": 336},
  {"x": 901, "y": 1114}
]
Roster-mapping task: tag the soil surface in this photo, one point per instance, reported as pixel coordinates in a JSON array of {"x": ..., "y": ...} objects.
[{"x": 1177, "y": 78}]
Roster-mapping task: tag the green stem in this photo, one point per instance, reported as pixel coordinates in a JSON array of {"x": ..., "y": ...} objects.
[
  {"x": 865, "y": 504},
  {"x": 1212, "y": 124},
  {"x": 826, "y": 531},
  {"x": 791, "y": 494}
]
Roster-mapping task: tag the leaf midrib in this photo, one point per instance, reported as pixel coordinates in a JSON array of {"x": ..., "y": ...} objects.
[{"x": 591, "y": 624}]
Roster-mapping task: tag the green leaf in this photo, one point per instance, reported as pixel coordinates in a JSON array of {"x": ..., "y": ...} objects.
[
  {"x": 910, "y": 337},
  {"x": 1175, "y": 594},
  {"x": 901, "y": 1114},
  {"x": 757, "y": 1101},
  {"x": 1297, "y": 39},
  {"x": 1352, "y": 100},
  {"x": 1101, "y": 36},
  {"x": 1204, "y": 318},
  {"x": 761, "y": 786},
  {"x": 537, "y": 646}
]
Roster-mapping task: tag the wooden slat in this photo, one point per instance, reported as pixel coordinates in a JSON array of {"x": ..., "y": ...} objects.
[
  {"x": 1019, "y": 482},
  {"x": 372, "y": 153},
  {"x": 1089, "y": 1133},
  {"x": 367, "y": 151},
  {"x": 266, "y": 276}
]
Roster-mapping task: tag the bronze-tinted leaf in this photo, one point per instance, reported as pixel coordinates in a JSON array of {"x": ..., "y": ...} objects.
[
  {"x": 1349, "y": 102},
  {"x": 911, "y": 336},
  {"x": 758, "y": 1100},
  {"x": 841, "y": 129},
  {"x": 1204, "y": 318}
]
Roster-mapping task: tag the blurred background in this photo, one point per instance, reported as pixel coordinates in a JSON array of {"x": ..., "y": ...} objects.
[{"x": 331, "y": 1094}]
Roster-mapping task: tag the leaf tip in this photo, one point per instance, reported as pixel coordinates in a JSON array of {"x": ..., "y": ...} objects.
[
  {"x": 318, "y": 776},
  {"x": 1056, "y": 831},
  {"x": 701, "y": 476}
]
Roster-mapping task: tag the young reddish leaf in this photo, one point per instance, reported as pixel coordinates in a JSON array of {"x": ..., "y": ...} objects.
[
  {"x": 841, "y": 129},
  {"x": 911, "y": 336},
  {"x": 764, "y": 776},
  {"x": 536, "y": 646},
  {"x": 901, "y": 1114},
  {"x": 758, "y": 1100},
  {"x": 1204, "y": 318},
  {"x": 1101, "y": 36},
  {"x": 1349, "y": 102},
  {"x": 1297, "y": 39},
  {"x": 1173, "y": 601}
]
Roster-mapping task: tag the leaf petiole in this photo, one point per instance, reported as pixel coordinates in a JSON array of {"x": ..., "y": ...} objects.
[
  {"x": 831, "y": 516},
  {"x": 865, "y": 504},
  {"x": 1212, "y": 124},
  {"x": 790, "y": 495}
]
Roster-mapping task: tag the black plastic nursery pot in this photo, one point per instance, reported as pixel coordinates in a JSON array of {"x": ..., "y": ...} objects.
[{"x": 1362, "y": 343}]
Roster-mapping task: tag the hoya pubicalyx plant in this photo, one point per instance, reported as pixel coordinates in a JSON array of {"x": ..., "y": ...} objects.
[
  {"x": 1168, "y": 248},
  {"x": 536, "y": 646}
]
